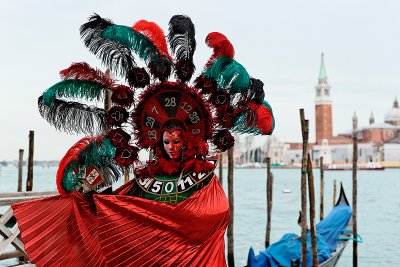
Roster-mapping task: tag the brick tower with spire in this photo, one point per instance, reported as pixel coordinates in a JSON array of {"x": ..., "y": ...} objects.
[{"x": 323, "y": 106}]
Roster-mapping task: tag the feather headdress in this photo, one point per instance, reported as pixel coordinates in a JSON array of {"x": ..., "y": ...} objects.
[{"x": 223, "y": 99}]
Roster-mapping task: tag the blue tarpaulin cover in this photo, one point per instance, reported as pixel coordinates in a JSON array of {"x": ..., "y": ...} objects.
[{"x": 288, "y": 248}]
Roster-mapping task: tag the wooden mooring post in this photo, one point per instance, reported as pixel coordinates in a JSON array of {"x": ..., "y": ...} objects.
[
  {"x": 321, "y": 193},
  {"x": 231, "y": 258},
  {"x": 304, "y": 130},
  {"x": 126, "y": 174},
  {"x": 334, "y": 192},
  {"x": 311, "y": 195},
  {"x": 221, "y": 166},
  {"x": 29, "y": 179},
  {"x": 270, "y": 179},
  {"x": 20, "y": 164},
  {"x": 355, "y": 234}
]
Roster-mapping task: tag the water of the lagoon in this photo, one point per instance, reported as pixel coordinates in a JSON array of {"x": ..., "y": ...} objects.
[{"x": 378, "y": 208}]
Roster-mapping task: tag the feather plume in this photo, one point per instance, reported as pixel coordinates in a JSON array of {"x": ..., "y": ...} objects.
[
  {"x": 71, "y": 155},
  {"x": 113, "y": 54},
  {"x": 182, "y": 41},
  {"x": 138, "y": 77},
  {"x": 223, "y": 140},
  {"x": 155, "y": 34},
  {"x": 230, "y": 75},
  {"x": 122, "y": 95},
  {"x": 87, "y": 90},
  {"x": 256, "y": 119},
  {"x": 73, "y": 117},
  {"x": 221, "y": 46},
  {"x": 181, "y": 37},
  {"x": 82, "y": 71},
  {"x": 158, "y": 63},
  {"x": 97, "y": 152},
  {"x": 255, "y": 93}
]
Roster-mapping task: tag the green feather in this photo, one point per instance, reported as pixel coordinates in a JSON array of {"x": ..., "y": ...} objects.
[
  {"x": 70, "y": 178},
  {"x": 266, "y": 104},
  {"x": 240, "y": 125},
  {"x": 87, "y": 90},
  {"x": 139, "y": 43},
  {"x": 98, "y": 154},
  {"x": 229, "y": 75}
]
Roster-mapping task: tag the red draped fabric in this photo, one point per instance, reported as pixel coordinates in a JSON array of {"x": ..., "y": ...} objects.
[
  {"x": 60, "y": 231},
  {"x": 125, "y": 230}
]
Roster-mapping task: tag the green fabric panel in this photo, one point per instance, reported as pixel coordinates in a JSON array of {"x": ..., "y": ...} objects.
[{"x": 176, "y": 198}]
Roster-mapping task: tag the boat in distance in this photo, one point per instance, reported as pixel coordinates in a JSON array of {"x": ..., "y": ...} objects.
[{"x": 370, "y": 166}]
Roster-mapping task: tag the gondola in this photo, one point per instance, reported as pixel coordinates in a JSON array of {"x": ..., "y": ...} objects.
[{"x": 333, "y": 235}]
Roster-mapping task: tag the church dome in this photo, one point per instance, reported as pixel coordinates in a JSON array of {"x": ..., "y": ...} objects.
[{"x": 392, "y": 116}]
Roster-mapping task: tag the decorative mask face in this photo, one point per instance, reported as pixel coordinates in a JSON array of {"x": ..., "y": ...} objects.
[{"x": 173, "y": 142}]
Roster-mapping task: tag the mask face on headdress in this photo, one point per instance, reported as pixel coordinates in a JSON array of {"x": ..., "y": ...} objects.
[{"x": 173, "y": 143}]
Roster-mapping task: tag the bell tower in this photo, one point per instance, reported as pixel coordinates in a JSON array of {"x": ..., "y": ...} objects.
[{"x": 323, "y": 106}]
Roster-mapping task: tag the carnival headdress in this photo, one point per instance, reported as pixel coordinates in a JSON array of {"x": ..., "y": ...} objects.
[{"x": 224, "y": 98}]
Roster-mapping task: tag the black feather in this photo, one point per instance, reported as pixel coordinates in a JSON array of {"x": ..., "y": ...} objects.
[
  {"x": 182, "y": 41},
  {"x": 181, "y": 37},
  {"x": 73, "y": 117},
  {"x": 114, "y": 55},
  {"x": 256, "y": 91}
]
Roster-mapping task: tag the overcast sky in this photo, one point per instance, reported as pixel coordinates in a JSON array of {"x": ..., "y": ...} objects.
[{"x": 279, "y": 42}]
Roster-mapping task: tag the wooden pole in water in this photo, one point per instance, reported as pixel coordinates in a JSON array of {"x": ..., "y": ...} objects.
[
  {"x": 334, "y": 193},
  {"x": 270, "y": 178},
  {"x": 221, "y": 166},
  {"x": 304, "y": 130},
  {"x": 355, "y": 244},
  {"x": 29, "y": 179},
  {"x": 311, "y": 195},
  {"x": 126, "y": 174},
  {"x": 20, "y": 163},
  {"x": 231, "y": 259},
  {"x": 321, "y": 198}
]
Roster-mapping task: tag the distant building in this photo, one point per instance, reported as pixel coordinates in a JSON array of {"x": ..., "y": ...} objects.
[
  {"x": 379, "y": 133},
  {"x": 378, "y": 142},
  {"x": 323, "y": 106}
]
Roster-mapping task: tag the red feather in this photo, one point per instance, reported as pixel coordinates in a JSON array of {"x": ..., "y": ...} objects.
[
  {"x": 152, "y": 31},
  {"x": 264, "y": 117},
  {"x": 82, "y": 71},
  {"x": 221, "y": 45}
]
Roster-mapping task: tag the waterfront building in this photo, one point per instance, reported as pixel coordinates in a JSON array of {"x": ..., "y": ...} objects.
[
  {"x": 323, "y": 106},
  {"x": 378, "y": 141}
]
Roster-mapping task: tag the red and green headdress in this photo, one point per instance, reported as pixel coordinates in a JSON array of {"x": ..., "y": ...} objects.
[{"x": 223, "y": 99}]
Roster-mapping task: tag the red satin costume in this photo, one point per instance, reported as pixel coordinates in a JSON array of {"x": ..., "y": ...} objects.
[{"x": 118, "y": 230}]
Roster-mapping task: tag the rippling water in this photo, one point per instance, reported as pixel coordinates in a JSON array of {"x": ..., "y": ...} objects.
[{"x": 378, "y": 208}]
